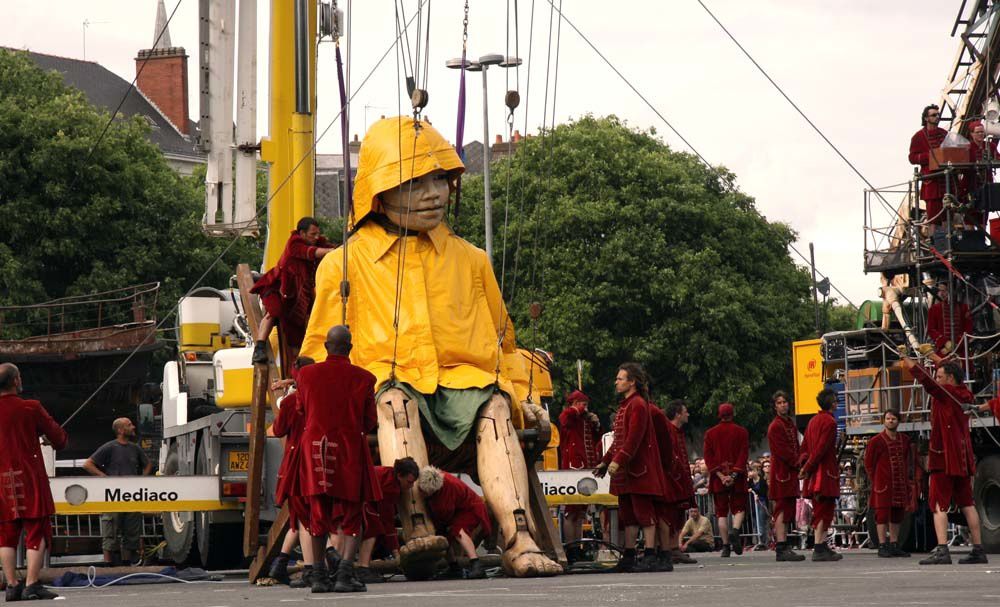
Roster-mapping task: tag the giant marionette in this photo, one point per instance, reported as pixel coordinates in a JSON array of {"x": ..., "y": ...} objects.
[{"x": 429, "y": 321}]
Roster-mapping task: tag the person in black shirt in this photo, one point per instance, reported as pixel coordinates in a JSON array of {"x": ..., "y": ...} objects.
[{"x": 120, "y": 457}]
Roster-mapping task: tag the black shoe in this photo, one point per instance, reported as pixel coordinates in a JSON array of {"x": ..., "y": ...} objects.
[
  {"x": 664, "y": 562},
  {"x": 365, "y": 575},
  {"x": 260, "y": 353},
  {"x": 885, "y": 551},
  {"x": 626, "y": 564},
  {"x": 647, "y": 564},
  {"x": 939, "y": 556},
  {"x": 346, "y": 580},
  {"x": 726, "y": 551},
  {"x": 37, "y": 592},
  {"x": 898, "y": 552},
  {"x": 679, "y": 557},
  {"x": 332, "y": 561},
  {"x": 303, "y": 581},
  {"x": 14, "y": 593},
  {"x": 784, "y": 553},
  {"x": 279, "y": 571},
  {"x": 976, "y": 557},
  {"x": 823, "y": 553},
  {"x": 738, "y": 547},
  {"x": 476, "y": 571},
  {"x": 319, "y": 581}
]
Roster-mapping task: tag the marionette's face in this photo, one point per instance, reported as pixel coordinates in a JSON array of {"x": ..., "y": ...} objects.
[
  {"x": 890, "y": 421},
  {"x": 781, "y": 405},
  {"x": 418, "y": 205}
]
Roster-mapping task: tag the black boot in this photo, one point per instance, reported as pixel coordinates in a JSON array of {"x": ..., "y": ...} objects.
[
  {"x": 476, "y": 571},
  {"x": 679, "y": 557},
  {"x": 332, "y": 560},
  {"x": 940, "y": 556},
  {"x": 898, "y": 552},
  {"x": 14, "y": 593},
  {"x": 664, "y": 561},
  {"x": 738, "y": 546},
  {"x": 648, "y": 562},
  {"x": 279, "y": 570},
  {"x": 976, "y": 557},
  {"x": 885, "y": 550},
  {"x": 346, "y": 580},
  {"x": 319, "y": 581},
  {"x": 823, "y": 553},
  {"x": 365, "y": 575},
  {"x": 784, "y": 553},
  {"x": 259, "y": 353},
  {"x": 726, "y": 551},
  {"x": 305, "y": 580},
  {"x": 627, "y": 563},
  {"x": 37, "y": 592}
]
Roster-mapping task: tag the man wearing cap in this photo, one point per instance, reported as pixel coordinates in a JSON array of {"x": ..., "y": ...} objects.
[
  {"x": 818, "y": 467},
  {"x": 986, "y": 157},
  {"x": 287, "y": 290},
  {"x": 580, "y": 435},
  {"x": 431, "y": 325},
  {"x": 888, "y": 462},
  {"x": 928, "y": 138},
  {"x": 727, "y": 448},
  {"x": 783, "y": 484}
]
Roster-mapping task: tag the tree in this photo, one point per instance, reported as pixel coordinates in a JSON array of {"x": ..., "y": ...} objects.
[
  {"x": 76, "y": 222},
  {"x": 638, "y": 252}
]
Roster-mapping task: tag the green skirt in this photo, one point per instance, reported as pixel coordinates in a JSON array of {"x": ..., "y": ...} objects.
[{"x": 451, "y": 413}]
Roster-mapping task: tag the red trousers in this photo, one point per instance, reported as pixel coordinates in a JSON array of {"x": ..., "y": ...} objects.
[
  {"x": 636, "y": 510},
  {"x": 823, "y": 510},
  {"x": 786, "y": 507},
  {"x": 36, "y": 531},
  {"x": 884, "y": 516}
]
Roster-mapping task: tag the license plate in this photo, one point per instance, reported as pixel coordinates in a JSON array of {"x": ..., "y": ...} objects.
[{"x": 239, "y": 461}]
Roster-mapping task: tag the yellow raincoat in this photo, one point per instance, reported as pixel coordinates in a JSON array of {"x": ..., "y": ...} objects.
[{"x": 451, "y": 312}]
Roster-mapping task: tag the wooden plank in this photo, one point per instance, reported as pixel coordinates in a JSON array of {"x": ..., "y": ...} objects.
[{"x": 262, "y": 560}]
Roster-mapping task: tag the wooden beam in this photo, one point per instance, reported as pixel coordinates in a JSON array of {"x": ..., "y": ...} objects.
[
  {"x": 261, "y": 561},
  {"x": 548, "y": 540}
]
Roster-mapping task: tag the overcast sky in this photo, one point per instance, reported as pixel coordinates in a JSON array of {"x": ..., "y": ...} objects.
[{"x": 861, "y": 70}]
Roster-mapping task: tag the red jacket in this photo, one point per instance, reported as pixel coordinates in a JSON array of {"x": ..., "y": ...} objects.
[
  {"x": 294, "y": 277},
  {"x": 920, "y": 147},
  {"x": 24, "y": 484},
  {"x": 888, "y": 463},
  {"x": 941, "y": 323},
  {"x": 665, "y": 445},
  {"x": 950, "y": 450},
  {"x": 819, "y": 457},
  {"x": 783, "y": 440},
  {"x": 635, "y": 450},
  {"x": 679, "y": 486},
  {"x": 727, "y": 448},
  {"x": 338, "y": 400},
  {"x": 455, "y": 498},
  {"x": 579, "y": 439},
  {"x": 289, "y": 424},
  {"x": 385, "y": 508}
]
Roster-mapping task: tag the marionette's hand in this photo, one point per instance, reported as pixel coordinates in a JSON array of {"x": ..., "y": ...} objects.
[
  {"x": 601, "y": 470},
  {"x": 927, "y": 349},
  {"x": 534, "y": 415},
  {"x": 613, "y": 468}
]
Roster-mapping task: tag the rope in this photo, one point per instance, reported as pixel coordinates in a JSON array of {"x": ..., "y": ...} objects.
[{"x": 236, "y": 238}]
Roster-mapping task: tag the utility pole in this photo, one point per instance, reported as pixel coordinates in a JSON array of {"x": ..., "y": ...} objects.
[{"x": 812, "y": 263}]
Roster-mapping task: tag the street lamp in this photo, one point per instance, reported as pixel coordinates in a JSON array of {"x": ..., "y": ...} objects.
[{"x": 482, "y": 65}]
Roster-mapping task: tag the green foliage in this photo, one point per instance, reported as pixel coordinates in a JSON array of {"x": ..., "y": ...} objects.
[
  {"x": 75, "y": 223},
  {"x": 840, "y": 317},
  {"x": 641, "y": 253}
]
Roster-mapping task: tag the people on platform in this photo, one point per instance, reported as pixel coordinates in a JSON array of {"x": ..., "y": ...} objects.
[
  {"x": 985, "y": 155},
  {"x": 458, "y": 512},
  {"x": 727, "y": 446},
  {"x": 783, "y": 441},
  {"x": 287, "y": 290},
  {"x": 889, "y": 465},
  {"x": 121, "y": 532},
  {"x": 697, "y": 534},
  {"x": 928, "y": 138},
  {"x": 26, "y": 505},
  {"x": 948, "y": 323},
  {"x": 951, "y": 461},
  {"x": 819, "y": 469}
]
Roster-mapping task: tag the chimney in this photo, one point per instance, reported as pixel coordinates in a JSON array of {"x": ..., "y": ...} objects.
[
  {"x": 499, "y": 139},
  {"x": 163, "y": 80},
  {"x": 354, "y": 146},
  {"x": 517, "y": 136}
]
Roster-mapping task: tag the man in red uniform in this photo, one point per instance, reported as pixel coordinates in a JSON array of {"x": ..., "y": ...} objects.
[
  {"x": 456, "y": 509},
  {"x": 25, "y": 498},
  {"x": 727, "y": 448},
  {"x": 336, "y": 470},
  {"x": 679, "y": 491},
  {"x": 783, "y": 485},
  {"x": 579, "y": 437},
  {"x": 633, "y": 460},
  {"x": 380, "y": 516},
  {"x": 289, "y": 425},
  {"x": 951, "y": 462},
  {"x": 821, "y": 473},
  {"x": 287, "y": 290},
  {"x": 929, "y": 137},
  {"x": 975, "y": 179},
  {"x": 888, "y": 462},
  {"x": 665, "y": 504},
  {"x": 948, "y": 323}
]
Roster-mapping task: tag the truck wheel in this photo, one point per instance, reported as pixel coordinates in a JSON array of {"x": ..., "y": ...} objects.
[
  {"x": 178, "y": 527},
  {"x": 986, "y": 493},
  {"x": 220, "y": 545}
]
